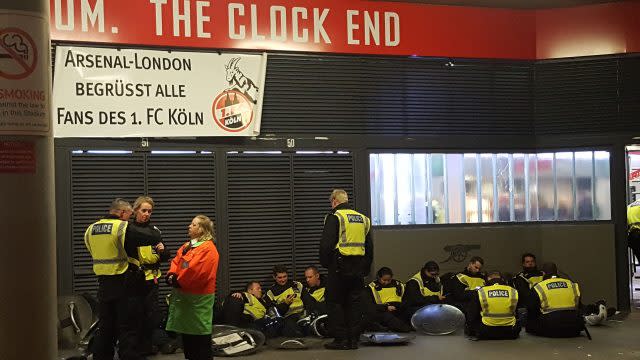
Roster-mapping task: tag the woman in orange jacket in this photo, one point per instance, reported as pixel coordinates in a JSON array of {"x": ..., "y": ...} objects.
[{"x": 193, "y": 276}]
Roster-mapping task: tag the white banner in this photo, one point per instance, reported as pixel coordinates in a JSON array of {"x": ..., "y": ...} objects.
[{"x": 100, "y": 92}]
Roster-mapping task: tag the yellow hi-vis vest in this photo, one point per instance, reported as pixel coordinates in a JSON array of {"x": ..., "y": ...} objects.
[
  {"x": 148, "y": 256},
  {"x": 557, "y": 294},
  {"x": 425, "y": 291},
  {"x": 354, "y": 228},
  {"x": 386, "y": 295},
  {"x": 533, "y": 280},
  {"x": 297, "y": 305},
  {"x": 318, "y": 294},
  {"x": 470, "y": 282},
  {"x": 254, "y": 307},
  {"x": 105, "y": 241},
  {"x": 498, "y": 305},
  {"x": 633, "y": 215}
]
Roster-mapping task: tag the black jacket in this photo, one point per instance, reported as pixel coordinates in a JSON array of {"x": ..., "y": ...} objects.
[
  {"x": 310, "y": 303},
  {"x": 413, "y": 296},
  {"x": 372, "y": 306},
  {"x": 523, "y": 287},
  {"x": 456, "y": 291},
  {"x": 331, "y": 258},
  {"x": 149, "y": 230},
  {"x": 277, "y": 290}
]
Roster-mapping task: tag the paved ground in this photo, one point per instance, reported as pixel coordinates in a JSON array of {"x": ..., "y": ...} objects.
[{"x": 615, "y": 340}]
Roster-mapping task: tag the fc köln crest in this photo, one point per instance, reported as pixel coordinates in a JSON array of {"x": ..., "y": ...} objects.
[{"x": 233, "y": 108}]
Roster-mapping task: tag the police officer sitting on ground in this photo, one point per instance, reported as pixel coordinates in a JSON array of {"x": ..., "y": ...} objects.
[
  {"x": 346, "y": 250},
  {"x": 112, "y": 244},
  {"x": 286, "y": 295},
  {"x": 491, "y": 315},
  {"x": 314, "y": 320},
  {"x": 553, "y": 309},
  {"x": 248, "y": 309},
  {"x": 423, "y": 289},
  {"x": 313, "y": 292},
  {"x": 527, "y": 279},
  {"x": 462, "y": 287},
  {"x": 385, "y": 303}
]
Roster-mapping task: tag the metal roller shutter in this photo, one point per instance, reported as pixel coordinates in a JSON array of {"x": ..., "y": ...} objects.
[
  {"x": 314, "y": 177},
  {"x": 324, "y": 94},
  {"x": 276, "y": 209},
  {"x": 259, "y": 215},
  {"x": 578, "y": 97},
  {"x": 182, "y": 186},
  {"x": 95, "y": 181}
]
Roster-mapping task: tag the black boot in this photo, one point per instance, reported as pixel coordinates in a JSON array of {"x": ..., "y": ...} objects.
[{"x": 338, "y": 344}]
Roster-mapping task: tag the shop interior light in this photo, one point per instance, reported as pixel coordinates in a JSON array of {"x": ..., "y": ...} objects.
[
  {"x": 313, "y": 152},
  {"x": 109, "y": 151},
  {"x": 77, "y": 152},
  {"x": 172, "y": 152},
  {"x": 262, "y": 152}
]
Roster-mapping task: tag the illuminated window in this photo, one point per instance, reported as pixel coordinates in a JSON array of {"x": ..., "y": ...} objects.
[{"x": 423, "y": 188}]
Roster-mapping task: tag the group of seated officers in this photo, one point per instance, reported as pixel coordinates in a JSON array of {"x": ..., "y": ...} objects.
[
  {"x": 296, "y": 304},
  {"x": 540, "y": 300},
  {"x": 494, "y": 307}
]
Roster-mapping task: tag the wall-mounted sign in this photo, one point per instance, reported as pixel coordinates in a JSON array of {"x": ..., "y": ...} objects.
[
  {"x": 101, "y": 92},
  {"x": 24, "y": 74},
  {"x": 330, "y": 26}
]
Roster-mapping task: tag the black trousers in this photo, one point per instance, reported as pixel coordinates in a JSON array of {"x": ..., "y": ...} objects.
[
  {"x": 633, "y": 239},
  {"x": 197, "y": 347},
  {"x": 485, "y": 332},
  {"x": 344, "y": 305},
  {"x": 151, "y": 317},
  {"x": 390, "y": 320},
  {"x": 559, "y": 324},
  {"x": 119, "y": 322}
]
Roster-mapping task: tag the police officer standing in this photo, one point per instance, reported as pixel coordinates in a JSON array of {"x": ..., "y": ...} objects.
[
  {"x": 150, "y": 257},
  {"x": 492, "y": 313},
  {"x": 633, "y": 228},
  {"x": 112, "y": 243},
  {"x": 346, "y": 250},
  {"x": 554, "y": 304}
]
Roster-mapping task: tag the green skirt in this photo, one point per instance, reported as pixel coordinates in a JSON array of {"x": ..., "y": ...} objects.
[{"x": 190, "y": 313}]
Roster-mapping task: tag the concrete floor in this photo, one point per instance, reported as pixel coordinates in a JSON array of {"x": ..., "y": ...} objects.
[{"x": 615, "y": 340}]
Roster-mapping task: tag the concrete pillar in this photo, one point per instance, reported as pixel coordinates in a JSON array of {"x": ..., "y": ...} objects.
[{"x": 27, "y": 218}]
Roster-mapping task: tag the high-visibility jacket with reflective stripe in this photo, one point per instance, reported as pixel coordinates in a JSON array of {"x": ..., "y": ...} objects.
[
  {"x": 557, "y": 294},
  {"x": 387, "y": 295},
  {"x": 470, "y": 282},
  {"x": 297, "y": 305},
  {"x": 318, "y": 294},
  {"x": 254, "y": 307},
  {"x": 633, "y": 215},
  {"x": 353, "y": 231},
  {"x": 148, "y": 256},
  {"x": 532, "y": 280},
  {"x": 105, "y": 241},
  {"x": 423, "y": 289},
  {"x": 498, "y": 305}
]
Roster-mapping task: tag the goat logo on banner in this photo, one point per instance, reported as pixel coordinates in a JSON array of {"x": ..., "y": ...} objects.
[{"x": 233, "y": 108}]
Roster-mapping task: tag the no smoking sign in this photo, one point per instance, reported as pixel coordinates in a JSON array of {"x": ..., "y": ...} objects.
[{"x": 18, "y": 54}]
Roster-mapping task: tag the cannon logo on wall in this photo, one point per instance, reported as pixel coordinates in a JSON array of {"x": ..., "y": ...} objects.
[{"x": 459, "y": 252}]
